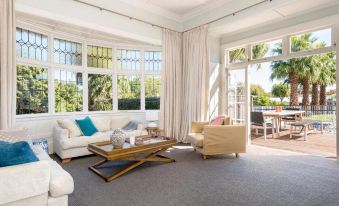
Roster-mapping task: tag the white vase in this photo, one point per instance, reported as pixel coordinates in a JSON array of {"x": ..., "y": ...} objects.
[{"x": 118, "y": 138}]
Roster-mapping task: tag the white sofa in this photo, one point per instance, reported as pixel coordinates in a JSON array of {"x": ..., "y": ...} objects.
[
  {"x": 42, "y": 183},
  {"x": 67, "y": 146}
]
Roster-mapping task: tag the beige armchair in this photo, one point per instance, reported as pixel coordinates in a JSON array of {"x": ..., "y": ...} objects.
[{"x": 218, "y": 139}]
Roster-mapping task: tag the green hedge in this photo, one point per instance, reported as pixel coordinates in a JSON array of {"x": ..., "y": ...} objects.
[{"x": 151, "y": 103}]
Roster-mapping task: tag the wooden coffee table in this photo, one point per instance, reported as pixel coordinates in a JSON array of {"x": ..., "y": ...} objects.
[{"x": 149, "y": 151}]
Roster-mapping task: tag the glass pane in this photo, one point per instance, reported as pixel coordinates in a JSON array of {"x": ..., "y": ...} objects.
[
  {"x": 237, "y": 55},
  {"x": 236, "y": 95},
  {"x": 68, "y": 91},
  {"x": 311, "y": 40},
  {"x": 128, "y": 59},
  {"x": 31, "y": 45},
  {"x": 67, "y": 52},
  {"x": 267, "y": 49},
  {"x": 152, "y": 92},
  {"x": 129, "y": 89},
  {"x": 100, "y": 94},
  {"x": 99, "y": 57},
  {"x": 152, "y": 60},
  {"x": 32, "y": 90}
]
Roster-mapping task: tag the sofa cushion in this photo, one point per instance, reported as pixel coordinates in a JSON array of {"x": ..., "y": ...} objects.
[
  {"x": 197, "y": 139},
  {"x": 71, "y": 126},
  {"x": 16, "y": 153},
  {"x": 102, "y": 124},
  {"x": 61, "y": 182},
  {"x": 119, "y": 122},
  {"x": 83, "y": 141},
  {"x": 86, "y": 125}
]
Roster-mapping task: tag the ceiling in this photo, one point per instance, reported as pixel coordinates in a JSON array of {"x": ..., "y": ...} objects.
[
  {"x": 178, "y": 8},
  {"x": 179, "y": 15}
]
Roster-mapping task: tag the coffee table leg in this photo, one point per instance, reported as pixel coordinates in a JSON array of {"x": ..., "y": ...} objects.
[{"x": 139, "y": 162}]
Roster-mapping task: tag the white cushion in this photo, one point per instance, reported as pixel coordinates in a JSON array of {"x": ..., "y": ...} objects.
[
  {"x": 102, "y": 124},
  {"x": 119, "y": 122},
  {"x": 61, "y": 182},
  {"x": 197, "y": 139},
  {"x": 72, "y": 127},
  {"x": 83, "y": 141}
]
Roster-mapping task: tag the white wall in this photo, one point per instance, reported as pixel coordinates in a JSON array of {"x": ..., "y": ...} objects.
[{"x": 214, "y": 76}]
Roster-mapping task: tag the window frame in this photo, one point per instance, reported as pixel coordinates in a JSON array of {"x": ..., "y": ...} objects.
[{"x": 84, "y": 41}]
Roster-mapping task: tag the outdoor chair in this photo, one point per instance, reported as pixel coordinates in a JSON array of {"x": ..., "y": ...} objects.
[{"x": 258, "y": 121}]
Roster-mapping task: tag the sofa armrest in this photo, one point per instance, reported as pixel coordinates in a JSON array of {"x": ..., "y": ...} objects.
[
  {"x": 61, "y": 182},
  {"x": 219, "y": 139},
  {"x": 23, "y": 181},
  {"x": 198, "y": 127},
  {"x": 59, "y": 135}
]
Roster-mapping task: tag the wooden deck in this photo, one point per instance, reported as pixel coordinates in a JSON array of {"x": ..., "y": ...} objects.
[{"x": 317, "y": 143}]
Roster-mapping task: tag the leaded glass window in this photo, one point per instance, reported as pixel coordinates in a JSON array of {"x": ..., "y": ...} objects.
[
  {"x": 152, "y": 92},
  {"x": 153, "y": 60},
  {"x": 100, "y": 94},
  {"x": 32, "y": 90},
  {"x": 129, "y": 89},
  {"x": 67, "y": 52},
  {"x": 31, "y": 45},
  {"x": 68, "y": 91},
  {"x": 99, "y": 57},
  {"x": 128, "y": 59}
]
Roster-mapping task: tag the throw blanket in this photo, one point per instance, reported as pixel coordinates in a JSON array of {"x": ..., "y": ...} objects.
[{"x": 131, "y": 125}]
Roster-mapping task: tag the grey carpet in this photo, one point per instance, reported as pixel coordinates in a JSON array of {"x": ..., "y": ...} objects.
[{"x": 261, "y": 177}]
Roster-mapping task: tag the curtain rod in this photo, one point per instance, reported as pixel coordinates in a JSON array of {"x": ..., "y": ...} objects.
[{"x": 162, "y": 27}]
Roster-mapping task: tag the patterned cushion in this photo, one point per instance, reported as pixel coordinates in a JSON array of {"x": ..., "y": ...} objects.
[{"x": 43, "y": 143}]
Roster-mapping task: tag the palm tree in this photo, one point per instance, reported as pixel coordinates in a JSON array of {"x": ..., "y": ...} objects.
[
  {"x": 306, "y": 69},
  {"x": 296, "y": 70},
  {"x": 327, "y": 75},
  {"x": 237, "y": 55},
  {"x": 286, "y": 69}
]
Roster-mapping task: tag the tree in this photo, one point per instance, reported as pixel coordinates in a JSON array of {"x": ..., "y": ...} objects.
[
  {"x": 298, "y": 69},
  {"x": 237, "y": 55},
  {"x": 327, "y": 75},
  {"x": 286, "y": 69},
  {"x": 260, "y": 97},
  {"x": 280, "y": 90}
]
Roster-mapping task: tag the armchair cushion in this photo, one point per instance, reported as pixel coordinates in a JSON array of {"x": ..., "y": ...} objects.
[
  {"x": 197, "y": 139},
  {"x": 198, "y": 127}
]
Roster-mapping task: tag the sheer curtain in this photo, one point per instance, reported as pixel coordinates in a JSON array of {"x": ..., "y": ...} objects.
[
  {"x": 195, "y": 81},
  {"x": 184, "y": 82},
  {"x": 171, "y": 84},
  {"x": 7, "y": 64}
]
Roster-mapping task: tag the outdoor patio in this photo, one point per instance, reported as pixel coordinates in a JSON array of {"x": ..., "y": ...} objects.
[{"x": 316, "y": 144}]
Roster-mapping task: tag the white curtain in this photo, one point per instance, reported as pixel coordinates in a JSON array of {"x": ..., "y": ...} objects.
[
  {"x": 195, "y": 81},
  {"x": 7, "y": 64},
  {"x": 171, "y": 84},
  {"x": 184, "y": 81}
]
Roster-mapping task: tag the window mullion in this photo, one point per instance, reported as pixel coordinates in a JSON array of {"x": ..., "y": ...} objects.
[
  {"x": 85, "y": 77},
  {"x": 142, "y": 94},
  {"x": 51, "y": 90}
]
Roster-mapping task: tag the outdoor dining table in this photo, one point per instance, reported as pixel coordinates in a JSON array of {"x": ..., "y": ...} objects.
[{"x": 278, "y": 115}]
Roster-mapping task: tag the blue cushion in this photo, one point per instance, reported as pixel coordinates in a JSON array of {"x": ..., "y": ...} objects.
[
  {"x": 16, "y": 153},
  {"x": 87, "y": 127}
]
